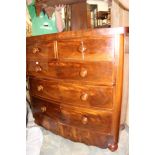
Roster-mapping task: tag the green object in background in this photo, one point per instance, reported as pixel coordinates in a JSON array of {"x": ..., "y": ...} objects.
[{"x": 41, "y": 24}]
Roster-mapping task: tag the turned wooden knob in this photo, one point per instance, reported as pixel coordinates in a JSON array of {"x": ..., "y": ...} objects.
[
  {"x": 84, "y": 97},
  {"x": 82, "y": 48},
  {"x": 43, "y": 109},
  {"x": 35, "y": 50},
  {"x": 84, "y": 120},
  {"x": 83, "y": 72},
  {"x": 37, "y": 68},
  {"x": 40, "y": 88},
  {"x": 112, "y": 147}
]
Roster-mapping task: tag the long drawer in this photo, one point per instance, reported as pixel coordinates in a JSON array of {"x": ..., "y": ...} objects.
[
  {"x": 98, "y": 72},
  {"x": 92, "y": 49},
  {"x": 89, "y": 137},
  {"x": 73, "y": 94},
  {"x": 83, "y": 118}
]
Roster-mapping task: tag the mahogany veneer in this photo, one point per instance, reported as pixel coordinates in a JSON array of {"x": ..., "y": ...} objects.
[{"x": 75, "y": 81}]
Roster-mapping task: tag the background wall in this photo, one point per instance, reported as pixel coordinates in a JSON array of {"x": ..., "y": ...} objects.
[
  {"x": 102, "y": 5},
  {"x": 119, "y": 16}
]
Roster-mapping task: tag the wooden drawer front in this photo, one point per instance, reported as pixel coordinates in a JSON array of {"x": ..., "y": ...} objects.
[
  {"x": 41, "y": 69},
  {"x": 96, "y": 49},
  {"x": 86, "y": 118},
  {"x": 40, "y": 51},
  {"x": 89, "y": 137},
  {"x": 98, "y": 72},
  {"x": 42, "y": 107},
  {"x": 44, "y": 89},
  {"x": 86, "y": 95},
  {"x": 47, "y": 122}
]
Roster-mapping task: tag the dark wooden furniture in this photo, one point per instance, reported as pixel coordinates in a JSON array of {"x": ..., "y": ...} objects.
[
  {"x": 40, "y": 4},
  {"x": 75, "y": 80},
  {"x": 80, "y": 14}
]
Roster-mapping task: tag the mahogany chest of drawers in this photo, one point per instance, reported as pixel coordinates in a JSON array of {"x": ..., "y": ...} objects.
[{"x": 75, "y": 80}]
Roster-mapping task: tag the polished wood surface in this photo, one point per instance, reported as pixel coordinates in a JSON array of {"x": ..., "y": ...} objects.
[
  {"x": 80, "y": 16},
  {"x": 75, "y": 81},
  {"x": 87, "y": 118},
  {"x": 97, "y": 72},
  {"x": 40, "y": 51},
  {"x": 73, "y": 94},
  {"x": 93, "y": 49}
]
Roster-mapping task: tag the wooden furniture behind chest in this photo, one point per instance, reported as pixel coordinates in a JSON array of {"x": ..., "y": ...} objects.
[{"x": 75, "y": 81}]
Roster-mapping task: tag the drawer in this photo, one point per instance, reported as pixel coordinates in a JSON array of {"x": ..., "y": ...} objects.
[
  {"x": 73, "y": 94},
  {"x": 87, "y": 118},
  {"x": 40, "y": 51},
  {"x": 44, "y": 89},
  {"x": 96, "y": 49},
  {"x": 47, "y": 123},
  {"x": 86, "y": 95},
  {"x": 98, "y": 72},
  {"x": 41, "y": 107},
  {"x": 89, "y": 137}
]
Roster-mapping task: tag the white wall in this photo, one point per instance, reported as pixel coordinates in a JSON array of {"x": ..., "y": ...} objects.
[{"x": 102, "y": 5}]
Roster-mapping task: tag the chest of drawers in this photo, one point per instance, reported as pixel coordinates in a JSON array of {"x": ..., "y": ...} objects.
[{"x": 75, "y": 80}]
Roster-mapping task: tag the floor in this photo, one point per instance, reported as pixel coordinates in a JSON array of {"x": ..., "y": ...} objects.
[{"x": 57, "y": 145}]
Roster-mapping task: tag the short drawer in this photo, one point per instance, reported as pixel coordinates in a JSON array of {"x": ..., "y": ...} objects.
[
  {"x": 98, "y": 72},
  {"x": 44, "y": 89},
  {"x": 40, "y": 51},
  {"x": 42, "y": 107},
  {"x": 88, "y": 96},
  {"x": 86, "y": 118},
  {"x": 96, "y": 49}
]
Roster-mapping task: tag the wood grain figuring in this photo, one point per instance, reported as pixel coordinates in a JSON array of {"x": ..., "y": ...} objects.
[
  {"x": 40, "y": 51},
  {"x": 84, "y": 136},
  {"x": 96, "y": 49},
  {"x": 75, "y": 117},
  {"x": 73, "y": 94},
  {"x": 52, "y": 109},
  {"x": 95, "y": 33},
  {"x": 47, "y": 122},
  {"x": 79, "y": 16},
  {"x": 50, "y": 89},
  {"x": 86, "y": 95},
  {"x": 76, "y": 84},
  {"x": 104, "y": 71}
]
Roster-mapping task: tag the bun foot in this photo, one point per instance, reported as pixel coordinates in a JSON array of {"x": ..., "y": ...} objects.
[{"x": 112, "y": 147}]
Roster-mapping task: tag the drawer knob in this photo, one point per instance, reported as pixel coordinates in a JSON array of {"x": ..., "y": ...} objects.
[
  {"x": 84, "y": 120},
  {"x": 40, "y": 88},
  {"x": 37, "y": 68},
  {"x": 43, "y": 109},
  {"x": 84, "y": 97},
  {"x": 82, "y": 48},
  {"x": 83, "y": 72},
  {"x": 35, "y": 50}
]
